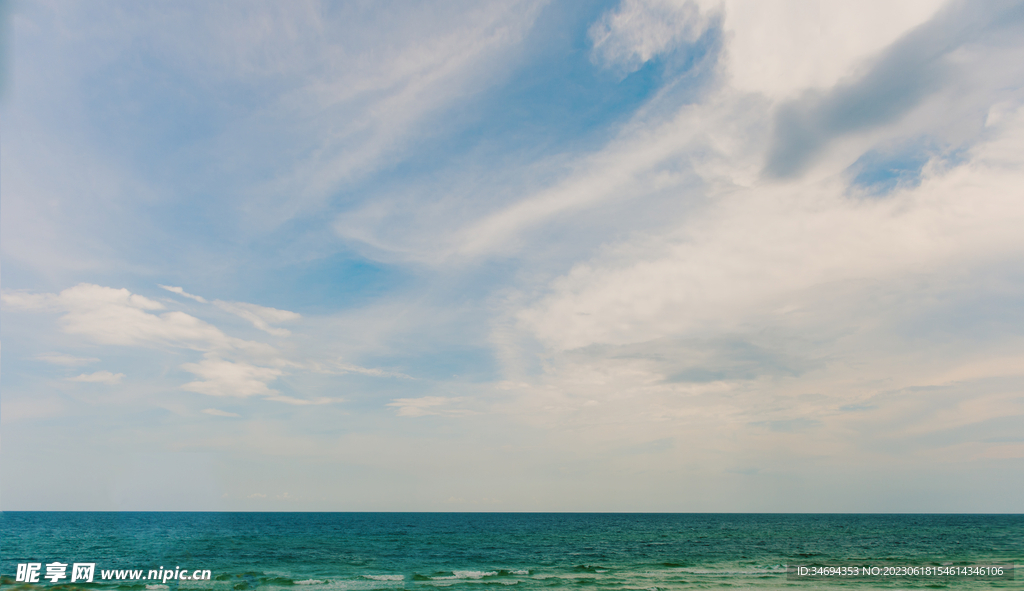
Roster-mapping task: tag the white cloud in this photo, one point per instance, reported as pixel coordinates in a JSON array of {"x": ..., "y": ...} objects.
[
  {"x": 353, "y": 101},
  {"x": 219, "y": 413},
  {"x": 99, "y": 377},
  {"x": 702, "y": 317},
  {"x": 771, "y": 245},
  {"x": 775, "y": 47},
  {"x": 238, "y": 379},
  {"x": 302, "y": 402},
  {"x": 261, "y": 317},
  {"x": 428, "y": 405},
  {"x": 182, "y": 292},
  {"x": 368, "y": 371},
  {"x": 790, "y": 323},
  {"x": 619, "y": 173},
  {"x": 668, "y": 163},
  {"x": 344, "y": 368},
  {"x": 635, "y": 167},
  {"x": 783, "y": 47},
  {"x": 13, "y": 411},
  {"x": 119, "y": 317},
  {"x": 68, "y": 360},
  {"x": 336, "y": 102},
  {"x": 27, "y": 301},
  {"x": 221, "y": 377},
  {"x": 639, "y": 30}
]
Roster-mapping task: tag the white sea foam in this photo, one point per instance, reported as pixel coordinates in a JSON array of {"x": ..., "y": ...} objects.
[
  {"x": 311, "y": 582},
  {"x": 385, "y": 577},
  {"x": 519, "y": 572},
  {"x": 467, "y": 574},
  {"x": 157, "y": 587}
]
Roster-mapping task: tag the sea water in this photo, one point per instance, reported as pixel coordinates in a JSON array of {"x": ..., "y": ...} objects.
[{"x": 341, "y": 551}]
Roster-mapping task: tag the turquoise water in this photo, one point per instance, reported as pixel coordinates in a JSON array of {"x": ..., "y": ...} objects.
[{"x": 340, "y": 551}]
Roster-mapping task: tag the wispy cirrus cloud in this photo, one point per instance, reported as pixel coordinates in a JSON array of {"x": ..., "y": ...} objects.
[
  {"x": 303, "y": 401},
  {"x": 260, "y": 316},
  {"x": 183, "y": 293},
  {"x": 638, "y": 30},
  {"x": 99, "y": 377},
  {"x": 219, "y": 413},
  {"x": 429, "y": 405},
  {"x": 68, "y": 360}
]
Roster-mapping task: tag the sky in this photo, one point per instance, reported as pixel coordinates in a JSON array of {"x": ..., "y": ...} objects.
[{"x": 636, "y": 255}]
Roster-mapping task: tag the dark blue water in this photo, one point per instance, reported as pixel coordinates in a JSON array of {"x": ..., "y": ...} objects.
[{"x": 332, "y": 551}]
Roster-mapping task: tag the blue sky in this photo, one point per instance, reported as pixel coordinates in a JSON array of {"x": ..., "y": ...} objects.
[{"x": 648, "y": 255}]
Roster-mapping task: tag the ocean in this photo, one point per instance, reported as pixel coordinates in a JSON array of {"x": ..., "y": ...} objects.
[{"x": 340, "y": 551}]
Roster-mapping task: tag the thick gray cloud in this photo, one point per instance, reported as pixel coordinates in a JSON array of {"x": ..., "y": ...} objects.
[{"x": 908, "y": 72}]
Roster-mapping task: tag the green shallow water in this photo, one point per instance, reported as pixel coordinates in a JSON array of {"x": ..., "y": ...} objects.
[{"x": 340, "y": 551}]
